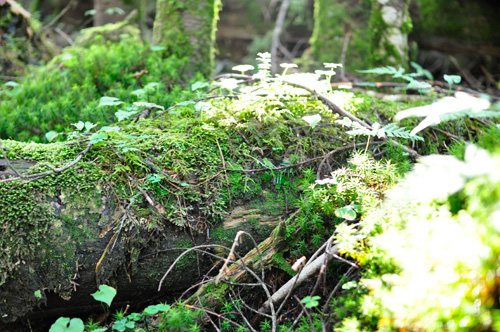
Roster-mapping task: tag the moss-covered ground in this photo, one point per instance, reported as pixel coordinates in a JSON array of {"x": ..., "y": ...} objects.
[{"x": 166, "y": 160}]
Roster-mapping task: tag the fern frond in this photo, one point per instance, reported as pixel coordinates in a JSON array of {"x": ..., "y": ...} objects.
[
  {"x": 390, "y": 130},
  {"x": 448, "y": 109},
  {"x": 387, "y": 70}
]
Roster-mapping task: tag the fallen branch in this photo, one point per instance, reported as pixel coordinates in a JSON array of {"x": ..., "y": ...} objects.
[
  {"x": 53, "y": 170},
  {"x": 308, "y": 271}
]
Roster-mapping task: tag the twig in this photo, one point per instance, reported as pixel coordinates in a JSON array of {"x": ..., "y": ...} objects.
[
  {"x": 55, "y": 19},
  {"x": 344, "y": 52},
  {"x": 34, "y": 177},
  {"x": 243, "y": 316},
  {"x": 231, "y": 257},
  {"x": 347, "y": 147},
  {"x": 225, "y": 173},
  {"x": 11, "y": 78},
  {"x": 8, "y": 162},
  {"x": 304, "y": 310},
  {"x": 276, "y": 35},
  {"x": 105, "y": 252},
  {"x": 213, "y": 313},
  {"x": 65, "y": 36},
  {"x": 307, "y": 272},
  {"x": 143, "y": 192}
]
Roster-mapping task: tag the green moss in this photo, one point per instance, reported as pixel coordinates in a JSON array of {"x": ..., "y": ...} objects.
[
  {"x": 68, "y": 89},
  {"x": 282, "y": 263},
  {"x": 187, "y": 30}
]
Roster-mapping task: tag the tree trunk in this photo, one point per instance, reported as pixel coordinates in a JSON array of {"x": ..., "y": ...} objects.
[
  {"x": 361, "y": 35},
  {"x": 390, "y": 24},
  {"x": 341, "y": 32},
  {"x": 187, "y": 29}
]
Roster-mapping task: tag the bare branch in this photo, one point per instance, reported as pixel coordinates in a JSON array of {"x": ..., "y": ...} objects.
[
  {"x": 276, "y": 35},
  {"x": 34, "y": 177}
]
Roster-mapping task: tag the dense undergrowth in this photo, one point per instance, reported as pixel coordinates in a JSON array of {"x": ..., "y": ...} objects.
[
  {"x": 422, "y": 256},
  {"x": 68, "y": 89}
]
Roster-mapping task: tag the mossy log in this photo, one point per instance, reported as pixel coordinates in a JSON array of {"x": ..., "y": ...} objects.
[{"x": 65, "y": 234}]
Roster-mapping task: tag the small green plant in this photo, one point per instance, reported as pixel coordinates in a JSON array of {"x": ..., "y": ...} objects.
[
  {"x": 377, "y": 130},
  {"x": 64, "y": 324},
  {"x": 105, "y": 294},
  {"x": 400, "y": 73},
  {"x": 452, "y": 79},
  {"x": 310, "y": 301},
  {"x": 451, "y": 108},
  {"x": 348, "y": 212}
]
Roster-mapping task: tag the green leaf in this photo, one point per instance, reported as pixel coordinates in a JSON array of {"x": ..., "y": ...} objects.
[
  {"x": 89, "y": 126},
  {"x": 157, "y": 48},
  {"x": 313, "y": 120},
  {"x": 198, "y": 85},
  {"x": 140, "y": 93},
  {"x": 38, "y": 294},
  {"x": 332, "y": 65},
  {"x": 310, "y": 301},
  {"x": 79, "y": 125},
  {"x": 154, "y": 309},
  {"x": 11, "y": 84},
  {"x": 346, "y": 212},
  {"x": 109, "y": 101},
  {"x": 134, "y": 316},
  {"x": 228, "y": 83},
  {"x": 123, "y": 324},
  {"x": 106, "y": 129},
  {"x": 123, "y": 115},
  {"x": 185, "y": 103},
  {"x": 345, "y": 122},
  {"x": 418, "y": 85},
  {"x": 356, "y": 207},
  {"x": 452, "y": 79},
  {"x": 154, "y": 178},
  {"x": 243, "y": 68},
  {"x": 50, "y": 135},
  {"x": 387, "y": 70},
  {"x": 105, "y": 294},
  {"x": 421, "y": 71},
  {"x": 202, "y": 106},
  {"x": 98, "y": 137},
  {"x": 267, "y": 163},
  {"x": 64, "y": 324}
]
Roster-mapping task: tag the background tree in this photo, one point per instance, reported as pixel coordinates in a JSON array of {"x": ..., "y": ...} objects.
[
  {"x": 187, "y": 29},
  {"x": 361, "y": 34},
  {"x": 390, "y": 25}
]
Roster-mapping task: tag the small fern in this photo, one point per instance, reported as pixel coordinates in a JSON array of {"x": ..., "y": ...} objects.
[
  {"x": 400, "y": 73},
  {"x": 377, "y": 130},
  {"x": 451, "y": 108}
]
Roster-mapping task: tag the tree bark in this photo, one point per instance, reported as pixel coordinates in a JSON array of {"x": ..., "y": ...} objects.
[
  {"x": 390, "y": 24},
  {"x": 187, "y": 30}
]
